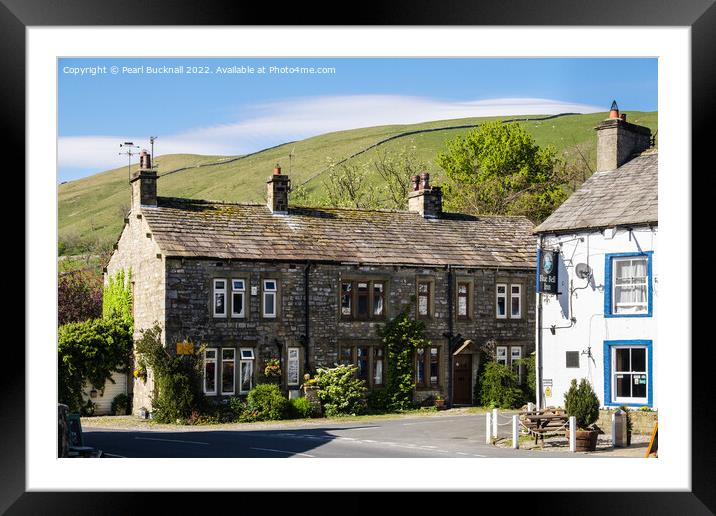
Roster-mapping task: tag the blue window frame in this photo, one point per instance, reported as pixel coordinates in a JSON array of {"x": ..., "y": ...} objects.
[
  {"x": 628, "y": 376},
  {"x": 611, "y": 283}
]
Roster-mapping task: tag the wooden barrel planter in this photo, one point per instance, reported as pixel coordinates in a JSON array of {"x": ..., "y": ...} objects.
[{"x": 586, "y": 440}]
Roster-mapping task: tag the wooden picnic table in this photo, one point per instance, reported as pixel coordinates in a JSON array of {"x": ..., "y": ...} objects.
[{"x": 541, "y": 422}]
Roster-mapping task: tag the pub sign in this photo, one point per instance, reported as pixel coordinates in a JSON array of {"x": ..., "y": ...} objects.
[{"x": 547, "y": 271}]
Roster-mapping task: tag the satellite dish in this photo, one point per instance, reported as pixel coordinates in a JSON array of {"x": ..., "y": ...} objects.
[{"x": 583, "y": 270}]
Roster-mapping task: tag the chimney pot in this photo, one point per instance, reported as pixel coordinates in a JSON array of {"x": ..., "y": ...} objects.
[
  {"x": 277, "y": 170},
  {"x": 614, "y": 110},
  {"x": 623, "y": 116},
  {"x": 145, "y": 160},
  {"x": 278, "y": 188},
  {"x": 425, "y": 181},
  {"x": 425, "y": 200},
  {"x": 415, "y": 180}
]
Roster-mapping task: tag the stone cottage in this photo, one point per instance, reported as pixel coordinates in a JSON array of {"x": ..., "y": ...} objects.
[{"x": 312, "y": 286}]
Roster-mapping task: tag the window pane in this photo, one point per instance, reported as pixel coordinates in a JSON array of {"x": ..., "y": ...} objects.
[
  {"x": 346, "y": 292},
  {"x": 501, "y": 289},
  {"x": 362, "y": 363},
  {"x": 269, "y": 285},
  {"x": 500, "y": 306},
  {"x": 622, "y": 360},
  {"x": 638, "y": 359},
  {"x": 378, "y": 298},
  {"x": 420, "y": 366},
  {"x": 377, "y": 366},
  {"x": 638, "y": 386},
  {"x": 219, "y": 303},
  {"x": 210, "y": 353},
  {"x": 434, "y": 366},
  {"x": 423, "y": 298},
  {"x": 462, "y": 288},
  {"x": 572, "y": 358},
  {"x": 346, "y": 357},
  {"x": 515, "y": 306},
  {"x": 362, "y": 301},
  {"x": 247, "y": 353},
  {"x": 219, "y": 284},
  {"x": 238, "y": 303},
  {"x": 227, "y": 376},
  {"x": 462, "y": 306},
  {"x": 269, "y": 298},
  {"x": 623, "y": 384},
  {"x": 210, "y": 376},
  {"x": 246, "y": 372},
  {"x": 238, "y": 285},
  {"x": 501, "y": 352}
]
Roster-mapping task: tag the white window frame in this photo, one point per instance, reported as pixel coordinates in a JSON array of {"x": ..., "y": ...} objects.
[
  {"x": 233, "y": 376},
  {"x": 497, "y": 300},
  {"x": 517, "y": 296},
  {"x": 514, "y": 358},
  {"x": 242, "y": 312},
  {"x": 498, "y": 359},
  {"x": 246, "y": 355},
  {"x": 643, "y": 307},
  {"x": 613, "y": 373},
  {"x": 216, "y": 371},
  {"x": 293, "y": 356},
  {"x": 265, "y": 292},
  {"x": 216, "y": 291}
]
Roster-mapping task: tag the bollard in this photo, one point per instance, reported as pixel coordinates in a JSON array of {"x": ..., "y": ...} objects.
[
  {"x": 488, "y": 429},
  {"x": 614, "y": 431},
  {"x": 530, "y": 407},
  {"x": 494, "y": 423},
  {"x": 572, "y": 434},
  {"x": 515, "y": 433}
]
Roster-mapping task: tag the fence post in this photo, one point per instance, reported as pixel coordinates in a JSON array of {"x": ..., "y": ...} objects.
[
  {"x": 515, "y": 433},
  {"x": 572, "y": 433},
  {"x": 488, "y": 429},
  {"x": 494, "y": 423},
  {"x": 530, "y": 406},
  {"x": 614, "y": 430}
]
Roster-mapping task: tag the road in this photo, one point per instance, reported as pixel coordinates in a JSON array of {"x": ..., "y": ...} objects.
[{"x": 425, "y": 436}]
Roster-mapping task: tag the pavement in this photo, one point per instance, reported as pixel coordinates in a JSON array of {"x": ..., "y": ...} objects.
[{"x": 454, "y": 433}]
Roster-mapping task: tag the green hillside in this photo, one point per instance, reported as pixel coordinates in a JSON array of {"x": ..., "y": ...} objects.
[{"x": 92, "y": 208}]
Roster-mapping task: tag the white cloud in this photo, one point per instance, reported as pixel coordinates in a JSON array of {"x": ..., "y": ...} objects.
[{"x": 274, "y": 123}]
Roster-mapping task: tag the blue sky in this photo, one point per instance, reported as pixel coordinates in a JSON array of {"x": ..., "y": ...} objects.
[{"x": 237, "y": 113}]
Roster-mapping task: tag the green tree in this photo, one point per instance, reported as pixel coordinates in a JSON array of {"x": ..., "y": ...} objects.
[
  {"x": 498, "y": 169},
  {"x": 117, "y": 296}
]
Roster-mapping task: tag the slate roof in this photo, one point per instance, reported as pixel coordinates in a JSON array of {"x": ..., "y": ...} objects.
[
  {"x": 209, "y": 229},
  {"x": 625, "y": 196}
]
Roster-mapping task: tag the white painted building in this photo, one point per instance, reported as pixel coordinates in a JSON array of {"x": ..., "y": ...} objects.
[{"x": 601, "y": 325}]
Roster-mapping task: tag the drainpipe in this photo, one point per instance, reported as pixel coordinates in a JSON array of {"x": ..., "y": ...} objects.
[
  {"x": 451, "y": 336},
  {"x": 538, "y": 348},
  {"x": 305, "y": 338}
]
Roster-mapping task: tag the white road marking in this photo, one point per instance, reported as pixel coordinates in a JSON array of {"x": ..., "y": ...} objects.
[
  {"x": 113, "y": 455},
  {"x": 429, "y": 447},
  {"x": 168, "y": 440},
  {"x": 369, "y": 441},
  {"x": 461, "y": 453},
  {"x": 284, "y": 451},
  {"x": 481, "y": 456}
]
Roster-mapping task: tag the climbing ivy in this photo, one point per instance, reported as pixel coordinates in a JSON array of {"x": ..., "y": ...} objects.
[
  {"x": 400, "y": 337},
  {"x": 117, "y": 296}
]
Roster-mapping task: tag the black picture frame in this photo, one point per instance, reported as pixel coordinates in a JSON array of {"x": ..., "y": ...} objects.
[{"x": 699, "y": 15}]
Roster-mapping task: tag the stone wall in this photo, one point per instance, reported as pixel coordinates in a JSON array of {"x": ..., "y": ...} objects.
[
  {"x": 136, "y": 250},
  {"x": 618, "y": 141},
  {"x": 642, "y": 422}
]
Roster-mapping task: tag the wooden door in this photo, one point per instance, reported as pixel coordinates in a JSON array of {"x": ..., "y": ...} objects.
[{"x": 462, "y": 379}]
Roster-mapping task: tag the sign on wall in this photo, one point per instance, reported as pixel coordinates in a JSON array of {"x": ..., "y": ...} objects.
[
  {"x": 547, "y": 272},
  {"x": 185, "y": 348},
  {"x": 292, "y": 374}
]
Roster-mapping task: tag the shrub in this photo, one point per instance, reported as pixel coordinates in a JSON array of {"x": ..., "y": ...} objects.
[
  {"x": 88, "y": 408},
  {"x": 401, "y": 336},
  {"x": 529, "y": 386},
  {"x": 265, "y": 402},
  {"x": 89, "y": 352},
  {"x": 120, "y": 404},
  {"x": 176, "y": 382},
  {"x": 582, "y": 403},
  {"x": 377, "y": 402},
  {"x": 236, "y": 407},
  {"x": 340, "y": 392},
  {"x": 300, "y": 408},
  {"x": 498, "y": 387},
  {"x": 79, "y": 296}
]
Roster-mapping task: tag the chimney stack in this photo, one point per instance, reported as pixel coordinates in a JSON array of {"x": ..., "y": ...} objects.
[
  {"x": 277, "y": 194},
  {"x": 424, "y": 199},
  {"x": 618, "y": 140},
  {"x": 144, "y": 183}
]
